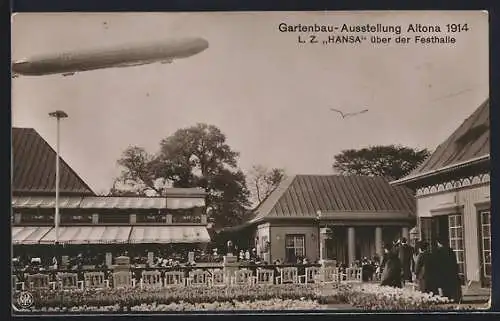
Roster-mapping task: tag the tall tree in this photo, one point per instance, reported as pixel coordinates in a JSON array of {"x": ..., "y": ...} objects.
[
  {"x": 197, "y": 156},
  {"x": 263, "y": 181},
  {"x": 391, "y": 161}
]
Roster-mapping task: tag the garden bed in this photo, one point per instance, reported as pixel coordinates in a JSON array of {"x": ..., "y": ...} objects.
[
  {"x": 165, "y": 296},
  {"x": 364, "y": 296},
  {"x": 274, "y": 304}
]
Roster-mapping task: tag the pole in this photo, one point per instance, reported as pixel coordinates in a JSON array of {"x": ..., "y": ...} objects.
[{"x": 56, "y": 216}]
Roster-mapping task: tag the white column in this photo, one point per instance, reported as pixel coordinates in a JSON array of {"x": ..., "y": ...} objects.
[
  {"x": 109, "y": 259},
  {"x": 323, "y": 256},
  {"x": 378, "y": 241},
  {"x": 322, "y": 244},
  {"x": 351, "y": 245},
  {"x": 405, "y": 233}
]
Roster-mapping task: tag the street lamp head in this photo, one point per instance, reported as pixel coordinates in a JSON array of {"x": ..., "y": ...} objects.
[{"x": 58, "y": 114}]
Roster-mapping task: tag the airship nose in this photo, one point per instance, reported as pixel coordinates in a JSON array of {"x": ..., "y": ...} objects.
[
  {"x": 204, "y": 44},
  {"x": 201, "y": 44}
]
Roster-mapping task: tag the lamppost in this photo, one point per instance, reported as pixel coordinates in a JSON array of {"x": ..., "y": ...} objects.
[{"x": 58, "y": 115}]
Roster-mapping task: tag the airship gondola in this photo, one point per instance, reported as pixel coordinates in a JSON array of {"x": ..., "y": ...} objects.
[{"x": 68, "y": 63}]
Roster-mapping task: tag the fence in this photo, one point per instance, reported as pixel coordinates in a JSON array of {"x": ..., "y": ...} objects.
[{"x": 184, "y": 277}]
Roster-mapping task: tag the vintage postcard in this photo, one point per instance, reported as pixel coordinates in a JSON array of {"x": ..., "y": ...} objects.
[{"x": 250, "y": 161}]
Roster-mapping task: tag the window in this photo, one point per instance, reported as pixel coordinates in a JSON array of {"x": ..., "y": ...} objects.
[
  {"x": 485, "y": 239},
  {"x": 294, "y": 247},
  {"x": 114, "y": 218},
  {"x": 76, "y": 218},
  {"x": 37, "y": 218},
  {"x": 456, "y": 238},
  {"x": 186, "y": 216},
  {"x": 151, "y": 218}
]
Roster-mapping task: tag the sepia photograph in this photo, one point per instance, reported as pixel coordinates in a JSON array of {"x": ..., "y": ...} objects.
[{"x": 256, "y": 162}]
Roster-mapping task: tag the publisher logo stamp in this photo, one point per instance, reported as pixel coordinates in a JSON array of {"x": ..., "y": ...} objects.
[{"x": 25, "y": 300}]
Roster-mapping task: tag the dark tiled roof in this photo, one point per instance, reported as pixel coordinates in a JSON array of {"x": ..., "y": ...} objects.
[
  {"x": 302, "y": 196},
  {"x": 33, "y": 167},
  {"x": 471, "y": 140}
]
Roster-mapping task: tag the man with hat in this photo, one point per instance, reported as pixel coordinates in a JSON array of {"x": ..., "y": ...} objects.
[
  {"x": 447, "y": 271},
  {"x": 405, "y": 254},
  {"x": 391, "y": 275}
]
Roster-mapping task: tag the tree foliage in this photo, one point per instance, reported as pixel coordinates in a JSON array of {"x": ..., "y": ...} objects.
[
  {"x": 391, "y": 161},
  {"x": 196, "y": 156},
  {"x": 263, "y": 181}
]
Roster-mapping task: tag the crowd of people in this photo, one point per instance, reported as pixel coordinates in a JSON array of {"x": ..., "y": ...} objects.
[{"x": 433, "y": 267}]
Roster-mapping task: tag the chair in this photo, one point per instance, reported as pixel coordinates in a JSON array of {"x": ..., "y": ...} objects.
[
  {"x": 288, "y": 275},
  {"x": 329, "y": 275},
  {"x": 38, "y": 282},
  {"x": 243, "y": 277},
  {"x": 264, "y": 276},
  {"x": 151, "y": 279},
  {"x": 198, "y": 278},
  {"x": 217, "y": 277},
  {"x": 16, "y": 283},
  {"x": 309, "y": 275},
  {"x": 354, "y": 274},
  {"x": 174, "y": 279},
  {"x": 69, "y": 281},
  {"x": 95, "y": 280}
]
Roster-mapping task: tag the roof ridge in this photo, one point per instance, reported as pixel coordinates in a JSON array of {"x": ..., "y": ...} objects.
[{"x": 443, "y": 149}]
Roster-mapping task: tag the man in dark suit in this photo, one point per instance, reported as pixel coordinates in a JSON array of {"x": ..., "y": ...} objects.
[
  {"x": 425, "y": 270},
  {"x": 405, "y": 254},
  {"x": 447, "y": 272},
  {"x": 391, "y": 275}
]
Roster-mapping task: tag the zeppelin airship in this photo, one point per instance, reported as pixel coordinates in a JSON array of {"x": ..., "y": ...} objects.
[{"x": 68, "y": 63}]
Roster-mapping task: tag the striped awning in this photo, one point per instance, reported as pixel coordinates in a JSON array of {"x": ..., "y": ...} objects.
[
  {"x": 88, "y": 235},
  {"x": 45, "y": 202},
  {"x": 25, "y": 235},
  {"x": 169, "y": 234},
  {"x": 184, "y": 202},
  {"x": 124, "y": 202}
]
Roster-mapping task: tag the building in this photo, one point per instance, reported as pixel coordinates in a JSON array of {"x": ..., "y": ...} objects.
[
  {"x": 85, "y": 218},
  {"x": 330, "y": 218},
  {"x": 452, "y": 189}
]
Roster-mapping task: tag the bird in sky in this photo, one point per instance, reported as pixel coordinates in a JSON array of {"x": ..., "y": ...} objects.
[{"x": 347, "y": 115}]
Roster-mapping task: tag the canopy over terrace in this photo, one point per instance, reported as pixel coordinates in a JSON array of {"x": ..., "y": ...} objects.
[
  {"x": 88, "y": 235},
  {"x": 28, "y": 235},
  {"x": 77, "y": 235}
]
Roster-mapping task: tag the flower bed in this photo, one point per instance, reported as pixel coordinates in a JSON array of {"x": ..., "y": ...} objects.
[
  {"x": 267, "y": 297},
  {"x": 274, "y": 304},
  {"x": 189, "y": 295},
  {"x": 376, "y": 297}
]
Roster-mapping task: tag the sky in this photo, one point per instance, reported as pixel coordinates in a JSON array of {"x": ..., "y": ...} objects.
[{"x": 270, "y": 95}]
